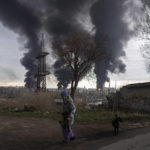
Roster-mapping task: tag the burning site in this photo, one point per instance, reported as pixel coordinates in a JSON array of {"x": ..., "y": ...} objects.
[{"x": 75, "y": 71}]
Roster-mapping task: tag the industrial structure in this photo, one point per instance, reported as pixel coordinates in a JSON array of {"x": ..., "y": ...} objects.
[{"x": 41, "y": 67}]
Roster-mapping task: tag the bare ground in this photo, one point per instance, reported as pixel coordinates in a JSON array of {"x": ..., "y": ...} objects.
[{"x": 23, "y": 133}]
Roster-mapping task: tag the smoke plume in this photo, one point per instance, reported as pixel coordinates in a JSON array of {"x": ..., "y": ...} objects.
[
  {"x": 61, "y": 21},
  {"x": 63, "y": 74},
  {"x": 22, "y": 20},
  {"x": 112, "y": 20}
]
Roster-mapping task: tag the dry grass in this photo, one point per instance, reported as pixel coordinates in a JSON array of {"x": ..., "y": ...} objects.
[
  {"x": 36, "y": 101},
  {"x": 44, "y": 106},
  {"x": 42, "y": 101}
]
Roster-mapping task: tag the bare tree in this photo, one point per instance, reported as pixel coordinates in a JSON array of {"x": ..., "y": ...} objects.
[
  {"x": 78, "y": 53},
  {"x": 145, "y": 32}
]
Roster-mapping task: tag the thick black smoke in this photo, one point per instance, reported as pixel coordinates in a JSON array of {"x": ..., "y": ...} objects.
[
  {"x": 63, "y": 74},
  {"x": 60, "y": 17},
  {"x": 61, "y": 21},
  {"x": 110, "y": 19},
  {"x": 21, "y": 19}
]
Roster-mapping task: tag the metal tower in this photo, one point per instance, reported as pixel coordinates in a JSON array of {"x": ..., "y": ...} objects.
[{"x": 41, "y": 72}]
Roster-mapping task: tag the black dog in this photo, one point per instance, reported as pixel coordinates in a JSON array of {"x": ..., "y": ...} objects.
[{"x": 115, "y": 124}]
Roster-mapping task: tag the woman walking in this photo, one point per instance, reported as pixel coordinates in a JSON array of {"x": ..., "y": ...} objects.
[{"x": 68, "y": 107}]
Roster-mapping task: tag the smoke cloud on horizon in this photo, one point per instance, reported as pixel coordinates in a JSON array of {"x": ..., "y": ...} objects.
[
  {"x": 110, "y": 19},
  {"x": 116, "y": 22}
]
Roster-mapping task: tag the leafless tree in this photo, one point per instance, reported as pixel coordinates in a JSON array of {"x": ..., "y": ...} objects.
[
  {"x": 78, "y": 52},
  {"x": 145, "y": 32},
  {"x": 145, "y": 22}
]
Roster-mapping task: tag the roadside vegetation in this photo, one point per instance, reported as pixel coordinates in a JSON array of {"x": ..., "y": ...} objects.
[
  {"x": 43, "y": 105},
  {"x": 82, "y": 115}
]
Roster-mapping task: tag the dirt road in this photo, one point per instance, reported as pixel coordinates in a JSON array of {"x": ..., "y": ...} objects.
[
  {"x": 22, "y": 133},
  {"x": 139, "y": 142}
]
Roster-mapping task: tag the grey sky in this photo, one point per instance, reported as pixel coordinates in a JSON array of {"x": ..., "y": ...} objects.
[
  {"x": 136, "y": 69},
  {"x": 12, "y": 72}
]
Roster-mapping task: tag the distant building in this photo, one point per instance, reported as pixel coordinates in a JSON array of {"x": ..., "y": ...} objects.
[{"x": 137, "y": 90}]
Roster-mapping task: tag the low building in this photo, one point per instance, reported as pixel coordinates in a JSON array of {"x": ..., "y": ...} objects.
[
  {"x": 138, "y": 90},
  {"x": 135, "y": 97}
]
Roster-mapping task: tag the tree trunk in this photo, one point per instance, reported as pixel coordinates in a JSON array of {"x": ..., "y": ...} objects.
[{"x": 74, "y": 85}]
